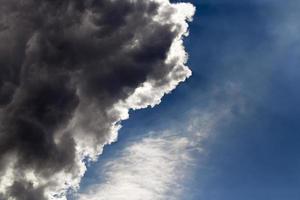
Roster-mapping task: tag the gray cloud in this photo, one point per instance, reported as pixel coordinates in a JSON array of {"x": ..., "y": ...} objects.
[{"x": 69, "y": 72}]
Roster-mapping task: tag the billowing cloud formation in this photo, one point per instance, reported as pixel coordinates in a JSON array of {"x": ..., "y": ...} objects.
[{"x": 69, "y": 72}]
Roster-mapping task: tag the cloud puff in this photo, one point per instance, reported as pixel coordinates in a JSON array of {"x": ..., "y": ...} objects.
[{"x": 69, "y": 72}]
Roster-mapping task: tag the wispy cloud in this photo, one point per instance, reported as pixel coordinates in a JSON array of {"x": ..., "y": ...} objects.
[
  {"x": 158, "y": 166},
  {"x": 150, "y": 169}
]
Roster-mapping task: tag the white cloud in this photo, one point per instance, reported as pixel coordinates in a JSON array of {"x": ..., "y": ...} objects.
[
  {"x": 150, "y": 169},
  {"x": 157, "y": 166}
]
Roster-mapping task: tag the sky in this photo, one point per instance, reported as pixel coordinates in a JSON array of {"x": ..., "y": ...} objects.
[
  {"x": 99, "y": 100},
  {"x": 243, "y": 101}
]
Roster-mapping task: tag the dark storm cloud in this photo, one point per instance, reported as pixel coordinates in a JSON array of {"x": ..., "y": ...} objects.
[
  {"x": 25, "y": 191},
  {"x": 56, "y": 59}
]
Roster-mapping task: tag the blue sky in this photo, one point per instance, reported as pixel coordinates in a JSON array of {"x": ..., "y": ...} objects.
[{"x": 245, "y": 84}]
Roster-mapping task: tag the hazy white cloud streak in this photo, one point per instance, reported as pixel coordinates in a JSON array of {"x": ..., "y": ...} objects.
[{"x": 150, "y": 169}]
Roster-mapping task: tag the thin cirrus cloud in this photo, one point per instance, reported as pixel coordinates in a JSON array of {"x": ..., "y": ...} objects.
[
  {"x": 159, "y": 165},
  {"x": 149, "y": 169}
]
